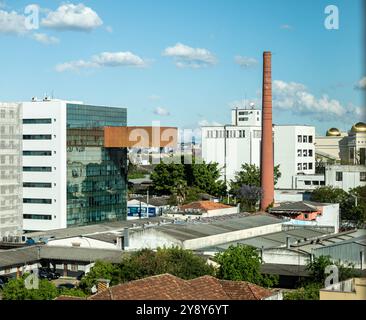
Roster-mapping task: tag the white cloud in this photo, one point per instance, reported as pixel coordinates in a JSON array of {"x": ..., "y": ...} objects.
[
  {"x": 116, "y": 59},
  {"x": 2, "y": 5},
  {"x": 186, "y": 56},
  {"x": 245, "y": 62},
  {"x": 105, "y": 59},
  {"x": 206, "y": 123},
  {"x": 286, "y": 27},
  {"x": 12, "y": 23},
  {"x": 160, "y": 111},
  {"x": 45, "y": 39},
  {"x": 296, "y": 98},
  {"x": 72, "y": 17},
  {"x": 361, "y": 84}
]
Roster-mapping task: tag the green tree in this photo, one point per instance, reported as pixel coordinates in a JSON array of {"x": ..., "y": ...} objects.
[
  {"x": 242, "y": 263},
  {"x": 144, "y": 263},
  {"x": 166, "y": 177},
  {"x": 347, "y": 204},
  {"x": 101, "y": 270},
  {"x": 205, "y": 177},
  {"x": 250, "y": 175},
  {"x": 308, "y": 292},
  {"x": 15, "y": 290}
]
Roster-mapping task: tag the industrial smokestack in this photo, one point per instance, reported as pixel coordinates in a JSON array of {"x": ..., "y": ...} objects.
[{"x": 267, "y": 179}]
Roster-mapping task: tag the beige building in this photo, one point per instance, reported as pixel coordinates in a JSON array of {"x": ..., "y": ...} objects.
[
  {"x": 352, "y": 289},
  {"x": 340, "y": 147}
]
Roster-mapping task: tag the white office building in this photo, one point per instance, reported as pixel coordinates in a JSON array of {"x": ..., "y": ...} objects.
[
  {"x": 294, "y": 152},
  {"x": 69, "y": 177},
  {"x": 10, "y": 171},
  {"x": 233, "y": 145}
]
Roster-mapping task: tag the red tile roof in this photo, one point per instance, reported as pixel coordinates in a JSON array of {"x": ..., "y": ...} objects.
[
  {"x": 205, "y": 206},
  {"x": 168, "y": 287}
]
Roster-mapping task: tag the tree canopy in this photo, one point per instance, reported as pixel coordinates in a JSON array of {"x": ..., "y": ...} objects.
[{"x": 242, "y": 263}]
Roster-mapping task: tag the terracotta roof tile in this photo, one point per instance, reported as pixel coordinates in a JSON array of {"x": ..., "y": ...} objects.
[
  {"x": 168, "y": 287},
  {"x": 205, "y": 205}
]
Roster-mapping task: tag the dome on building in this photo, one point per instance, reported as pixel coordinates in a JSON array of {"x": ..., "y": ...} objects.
[
  {"x": 333, "y": 132},
  {"x": 359, "y": 127}
]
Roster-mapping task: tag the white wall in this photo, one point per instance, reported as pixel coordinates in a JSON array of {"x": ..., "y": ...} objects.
[
  {"x": 56, "y": 110},
  {"x": 286, "y": 148},
  {"x": 351, "y": 176}
]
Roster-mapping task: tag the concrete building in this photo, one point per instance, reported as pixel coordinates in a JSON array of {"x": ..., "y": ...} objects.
[
  {"x": 352, "y": 289},
  {"x": 348, "y": 148},
  {"x": 235, "y": 144},
  {"x": 69, "y": 176},
  {"x": 306, "y": 213},
  {"x": 345, "y": 177},
  {"x": 10, "y": 170},
  {"x": 294, "y": 152}
]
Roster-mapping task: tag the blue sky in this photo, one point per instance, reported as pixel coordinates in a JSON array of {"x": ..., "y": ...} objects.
[{"x": 186, "y": 62}]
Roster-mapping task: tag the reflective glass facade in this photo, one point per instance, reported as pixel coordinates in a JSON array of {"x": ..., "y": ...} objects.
[{"x": 96, "y": 176}]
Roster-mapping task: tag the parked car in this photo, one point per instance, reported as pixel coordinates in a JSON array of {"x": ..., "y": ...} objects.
[
  {"x": 3, "y": 281},
  {"x": 80, "y": 276},
  {"x": 47, "y": 273}
]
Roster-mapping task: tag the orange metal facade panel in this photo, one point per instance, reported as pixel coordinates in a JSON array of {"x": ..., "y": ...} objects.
[{"x": 140, "y": 137}]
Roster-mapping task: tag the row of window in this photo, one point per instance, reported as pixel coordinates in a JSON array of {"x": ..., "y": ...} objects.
[
  {"x": 229, "y": 134},
  {"x": 37, "y": 153},
  {"x": 37, "y": 121},
  {"x": 305, "y": 139},
  {"x": 37, "y": 137},
  {"x": 37, "y": 185},
  {"x": 314, "y": 183},
  {"x": 37, "y": 201},
  {"x": 305, "y": 166},
  {"x": 37, "y": 217},
  {"x": 304, "y": 153},
  {"x": 339, "y": 176},
  {"x": 37, "y": 169}
]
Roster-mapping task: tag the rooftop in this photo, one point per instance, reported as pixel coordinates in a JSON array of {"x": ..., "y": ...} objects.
[
  {"x": 204, "y": 206},
  {"x": 169, "y": 287},
  {"x": 25, "y": 255}
]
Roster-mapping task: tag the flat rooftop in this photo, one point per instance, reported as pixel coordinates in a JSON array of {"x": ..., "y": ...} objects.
[{"x": 272, "y": 240}]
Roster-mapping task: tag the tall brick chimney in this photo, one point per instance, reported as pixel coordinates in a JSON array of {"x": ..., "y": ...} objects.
[{"x": 267, "y": 176}]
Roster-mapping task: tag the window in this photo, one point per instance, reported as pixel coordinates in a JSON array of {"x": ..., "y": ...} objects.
[
  {"x": 306, "y": 216},
  {"x": 37, "y": 153},
  {"x": 37, "y": 216},
  {"x": 299, "y": 166},
  {"x": 307, "y": 182},
  {"x": 37, "y": 137},
  {"x": 305, "y": 166},
  {"x": 322, "y": 183},
  {"x": 310, "y": 166},
  {"x": 310, "y": 139},
  {"x": 305, "y": 153},
  {"x": 243, "y": 113},
  {"x": 310, "y": 153},
  {"x": 37, "y": 185},
  {"x": 305, "y": 139},
  {"x": 37, "y": 121},
  {"x": 244, "y": 119},
  {"x": 363, "y": 176},
  {"x": 299, "y": 153},
  {"x": 37, "y": 169},
  {"x": 339, "y": 176},
  {"x": 315, "y": 183},
  {"x": 299, "y": 138},
  {"x": 37, "y": 201}
]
